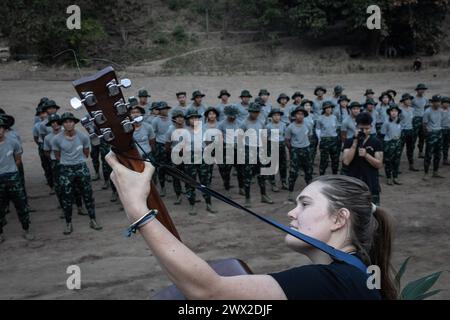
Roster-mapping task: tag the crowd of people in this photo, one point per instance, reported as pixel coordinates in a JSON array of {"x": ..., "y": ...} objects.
[{"x": 356, "y": 137}]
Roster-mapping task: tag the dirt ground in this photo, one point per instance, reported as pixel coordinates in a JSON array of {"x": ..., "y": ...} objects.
[{"x": 113, "y": 267}]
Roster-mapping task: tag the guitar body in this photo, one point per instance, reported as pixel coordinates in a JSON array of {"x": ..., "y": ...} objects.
[
  {"x": 122, "y": 142},
  {"x": 226, "y": 268}
]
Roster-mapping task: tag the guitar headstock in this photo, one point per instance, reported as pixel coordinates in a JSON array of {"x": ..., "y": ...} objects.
[{"x": 109, "y": 118}]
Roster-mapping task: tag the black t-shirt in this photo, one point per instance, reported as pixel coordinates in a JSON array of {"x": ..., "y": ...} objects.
[
  {"x": 360, "y": 168},
  {"x": 336, "y": 281}
]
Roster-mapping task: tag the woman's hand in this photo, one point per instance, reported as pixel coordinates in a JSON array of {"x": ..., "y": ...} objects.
[{"x": 133, "y": 187}]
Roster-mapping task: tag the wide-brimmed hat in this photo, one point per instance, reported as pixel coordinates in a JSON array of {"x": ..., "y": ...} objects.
[
  {"x": 68, "y": 116},
  {"x": 49, "y": 104},
  {"x": 39, "y": 110},
  {"x": 391, "y": 92},
  {"x": 263, "y": 92},
  {"x": 254, "y": 107},
  {"x": 231, "y": 111},
  {"x": 299, "y": 109},
  {"x": 327, "y": 104},
  {"x": 223, "y": 92},
  {"x": 406, "y": 96},
  {"x": 319, "y": 88},
  {"x": 338, "y": 89},
  {"x": 180, "y": 93},
  {"x": 42, "y": 101},
  {"x": 177, "y": 113},
  {"x": 143, "y": 93},
  {"x": 343, "y": 98},
  {"x": 52, "y": 118},
  {"x": 162, "y": 105},
  {"x": 282, "y": 96},
  {"x": 385, "y": 94},
  {"x": 274, "y": 111},
  {"x": 260, "y": 101},
  {"x": 436, "y": 98},
  {"x": 370, "y": 101},
  {"x": 445, "y": 99},
  {"x": 245, "y": 94},
  {"x": 209, "y": 109},
  {"x": 369, "y": 91},
  {"x": 305, "y": 101},
  {"x": 297, "y": 94},
  {"x": 354, "y": 104},
  {"x": 196, "y": 94},
  {"x": 192, "y": 113},
  {"x": 421, "y": 86},
  {"x": 154, "y": 105},
  {"x": 393, "y": 106},
  {"x": 6, "y": 121}
]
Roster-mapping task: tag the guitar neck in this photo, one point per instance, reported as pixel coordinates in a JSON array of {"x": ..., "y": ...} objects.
[{"x": 154, "y": 200}]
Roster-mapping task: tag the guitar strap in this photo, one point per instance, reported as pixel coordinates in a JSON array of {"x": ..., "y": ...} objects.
[{"x": 335, "y": 254}]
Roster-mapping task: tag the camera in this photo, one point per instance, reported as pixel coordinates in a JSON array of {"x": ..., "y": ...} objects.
[{"x": 361, "y": 136}]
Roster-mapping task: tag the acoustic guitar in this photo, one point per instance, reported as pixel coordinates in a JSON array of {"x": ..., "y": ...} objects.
[{"x": 109, "y": 119}]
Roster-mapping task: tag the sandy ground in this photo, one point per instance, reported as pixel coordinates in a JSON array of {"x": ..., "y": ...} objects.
[{"x": 117, "y": 268}]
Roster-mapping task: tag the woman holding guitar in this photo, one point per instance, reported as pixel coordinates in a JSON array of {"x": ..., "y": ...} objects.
[{"x": 334, "y": 209}]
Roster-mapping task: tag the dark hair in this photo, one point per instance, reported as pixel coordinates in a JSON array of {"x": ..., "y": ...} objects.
[
  {"x": 364, "y": 118},
  {"x": 371, "y": 233}
]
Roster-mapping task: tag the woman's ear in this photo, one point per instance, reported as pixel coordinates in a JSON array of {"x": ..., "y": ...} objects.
[{"x": 341, "y": 219}]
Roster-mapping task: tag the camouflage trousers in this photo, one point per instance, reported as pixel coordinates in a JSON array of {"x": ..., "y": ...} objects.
[
  {"x": 392, "y": 155},
  {"x": 329, "y": 149},
  {"x": 225, "y": 170},
  {"x": 418, "y": 132},
  {"x": 313, "y": 143},
  {"x": 57, "y": 185},
  {"x": 203, "y": 171},
  {"x": 11, "y": 189},
  {"x": 70, "y": 178},
  {"x": 46, "y": 165},
  {"x": 407, "y": 138},
  {"x": 300, "y": 159},
  {"x": 282, "y": 162},
  {"x": 161, "y": 156},
  {"x": 98, "y": 153},
  {"x": 445, "y": 143},
  {"x": 433, "y": 150},
  {"x": 252, "y": 168}
]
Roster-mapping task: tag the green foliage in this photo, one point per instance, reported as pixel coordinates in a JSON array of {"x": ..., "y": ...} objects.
[
  {"x": 179, "y": 34},
  {"x": 417, "y": 289},
  {"x": 160, "y": 38},
  {"x": 176, "y": 5}
]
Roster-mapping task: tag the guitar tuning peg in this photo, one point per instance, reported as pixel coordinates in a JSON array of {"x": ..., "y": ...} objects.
[
  {"x": 98, "y": 117},
  {"x": 88, "y": 124},
  {"x": 107, "y": 134},
  {"x": 95, "y": 139},
  {"x": 89, "y": 100},
  {"x": 113, "y": 86},
  {"x": 76, "y": 103},
  {"x": 127, "y": 124}
]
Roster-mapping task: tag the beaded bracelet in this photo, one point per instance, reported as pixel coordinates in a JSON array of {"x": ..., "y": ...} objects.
[{"x": 149, "y": 216}]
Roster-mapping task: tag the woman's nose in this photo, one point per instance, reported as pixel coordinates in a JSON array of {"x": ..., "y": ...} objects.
[{"x": 292, "y": 214}]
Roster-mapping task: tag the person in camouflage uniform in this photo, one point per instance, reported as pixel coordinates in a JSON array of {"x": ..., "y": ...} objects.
[
  {"x": 161, "y": 125},
  {"x": 71, "y": 149},
  {"x": 196, "y": 166},
  {"x": 406, "y": 121},
  {"x": 392, "y": 147},
  {"x": 11, "y": 187},
  {"x": 229, "y": 142},
  {"x": 311, "y": 123},
  {"x": 276, "y": 124},
  {"x": 445, "y": 103},
  {"x": 252, "y": 166},
  {"x": 419, "y": 104},
  {"x": 298, "y": 145},
  {"x": 177, "y": 116},
  {"x": 432, "y": 127},
  {"x": 45, "y": 162},
  {"x": 327, "y": 123}
]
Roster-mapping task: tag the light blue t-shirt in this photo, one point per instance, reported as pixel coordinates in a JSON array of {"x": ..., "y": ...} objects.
[
  {"x": 143, "y": 135},
  {"x": 327, "y": 126},
  {"x": 229, "y": 137},
  {"x": 71, "y": 149},
  {"x": 418, "y": 105},
  {"x": 445, "y": 124},
  {"x": 280, "y": 126},
  {"x": 48, "y": 142},
  {"x": 9, "y": 148},
  {"x": 160, "y": 126},
  {"x": 349, "y": 126},
  {"x": 298, "y": 135},
  {"x": 406, "y": 118},
  {"x": 256, "y": 126},
  {"x": 391, "y": 130},
  {"x": 432, "y": 119}
]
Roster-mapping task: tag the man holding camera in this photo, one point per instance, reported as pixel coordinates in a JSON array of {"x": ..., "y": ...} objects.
[{"x": 363, "y": 155}]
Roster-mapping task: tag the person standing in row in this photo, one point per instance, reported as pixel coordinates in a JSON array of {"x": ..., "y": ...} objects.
[
  {"x": 143, "y": 134},
  {"x": 311, "y": 124},
  {"x": 178, "y": 123},
  {"x": 432, "y": 128},
  {"x": 11, "y": 187},
  {"x": 252, "y": 166},
  {"x": 297, "y": 143},
  {"x": 264, "y": 95},
  {"x": 406, "y": 121},
  {"x": 337, "y": 93},
  {"x": 160, "y": 126},
  {"x": 182, "y": 104},
  {"x": 243, "y": 105},
  {"x": 369, "y": 107},
  {"x": 341, "y": 112},
  {"x": 277, "y": 124},
  {"x": 224, "y": 97},
  {"x": 211, "y": 117},
  {"x": 445, "y": 103},
  {"x": 71, "y": 149},
  {"x": 228, "y": 128},
  {"x": 297, "y": 99},
  {"x": 419, "y": 104},
  {"x": 197, "y": 103},
  {"x": 45, "y": 162},
  {"x": 327, "y": 124},
  {"x": 283, "y": 100},
  {"x": 392, "y": 131},
  {"x": 319, "y": 92},
  {"x": 382, "y": 115},
  {"x": 143, "y": 97}
]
